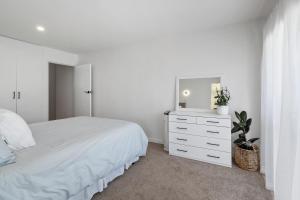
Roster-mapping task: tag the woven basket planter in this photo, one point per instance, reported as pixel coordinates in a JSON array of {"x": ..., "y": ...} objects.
[{"x": 247, "y": 159}]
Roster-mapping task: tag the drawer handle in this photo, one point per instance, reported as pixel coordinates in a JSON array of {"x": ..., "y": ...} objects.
[
  {"x": 181, "y": 128},
  {"x": 213, "y": 144},
  {"x": 182, "y": 150},
  {"x": 215, "y": 122},
  {"x": 216, "y": 132},
  {"x": 181, "y": 139},
  {"x": 212, "y": 156},
  {"x": 181, "y": 119}
]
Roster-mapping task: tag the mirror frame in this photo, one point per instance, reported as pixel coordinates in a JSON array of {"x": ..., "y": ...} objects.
[{"x": 178, "y": 78}]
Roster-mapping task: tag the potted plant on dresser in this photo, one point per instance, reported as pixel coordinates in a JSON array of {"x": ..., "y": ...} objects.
[
  {"x": 222, "y": 99},
  {"x": 246, "y": 153}
]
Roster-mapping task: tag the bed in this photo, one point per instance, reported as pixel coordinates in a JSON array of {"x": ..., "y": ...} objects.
[{"x": 73, "y": 159}]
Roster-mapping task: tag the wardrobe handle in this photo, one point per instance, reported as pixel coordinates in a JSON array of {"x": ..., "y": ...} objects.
[
  {"x": 14, "y": 95},
  {"x": 19, "y": 95}
]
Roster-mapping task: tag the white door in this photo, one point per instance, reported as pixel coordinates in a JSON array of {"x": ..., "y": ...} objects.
[
  {"x": 83, "y": 90},
  {"x": 30, "y": 83},
  {"x": 7, "y": 75}
]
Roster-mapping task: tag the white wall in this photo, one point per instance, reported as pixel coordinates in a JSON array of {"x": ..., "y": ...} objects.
[
  {"x": 137, "y": 82},
  {"x": 45, "y": 55}
]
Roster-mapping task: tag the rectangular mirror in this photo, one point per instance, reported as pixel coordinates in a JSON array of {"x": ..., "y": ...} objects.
[{"x": 197, "y": 93}]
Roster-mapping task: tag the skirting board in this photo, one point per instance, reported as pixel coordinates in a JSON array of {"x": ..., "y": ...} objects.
[
  {"x": 270, "y": 187},
  {"x": 155, "y": 140},
  {"x": 262, "y": 169}
]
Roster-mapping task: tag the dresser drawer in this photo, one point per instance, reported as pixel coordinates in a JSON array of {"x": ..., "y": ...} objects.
[
  {"x": 201, "y": 154},
  {"x": 185, "y": 128},
  {"x": 198, "y": 141},
  {"x": 211, "y": 121},
  {"x": 201, "y": 130},
  {"x": 216, "y": 132},
  {"x": 218, "y": 157},
  {"x": 183, "y": 119}
]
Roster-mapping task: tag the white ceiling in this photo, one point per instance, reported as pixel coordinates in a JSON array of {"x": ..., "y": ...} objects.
[{"x": 88, "y": 25}]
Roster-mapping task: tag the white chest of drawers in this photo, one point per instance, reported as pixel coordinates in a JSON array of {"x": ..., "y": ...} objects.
[{"x": 201, "y": 136}]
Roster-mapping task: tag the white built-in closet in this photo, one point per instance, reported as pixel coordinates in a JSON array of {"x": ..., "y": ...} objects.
[
  {"x": 24, "y": 77},
  {"x": 21, "y": 79}
]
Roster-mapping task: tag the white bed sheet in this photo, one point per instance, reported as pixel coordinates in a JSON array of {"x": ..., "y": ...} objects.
[{"x": 70, "y": 156}]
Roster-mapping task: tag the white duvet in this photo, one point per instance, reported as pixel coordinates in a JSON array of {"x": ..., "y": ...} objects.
[{"x": 70, "y": 155}]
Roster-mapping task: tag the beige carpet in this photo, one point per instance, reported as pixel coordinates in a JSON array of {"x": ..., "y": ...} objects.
[{"x": 160, "y": 176}]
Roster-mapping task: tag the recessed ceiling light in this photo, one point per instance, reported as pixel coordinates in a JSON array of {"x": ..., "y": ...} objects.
[{"x": 40, "y": 28}]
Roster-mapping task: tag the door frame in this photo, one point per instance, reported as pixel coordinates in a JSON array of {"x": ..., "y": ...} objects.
[
  {"x": 48, "y": 91},
  {"x": 91, "y": 82}
]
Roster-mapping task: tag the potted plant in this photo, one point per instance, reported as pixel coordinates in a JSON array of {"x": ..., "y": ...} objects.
[
  {"x": 222, "y": 99},
  {"x": 246, "y": 153}
]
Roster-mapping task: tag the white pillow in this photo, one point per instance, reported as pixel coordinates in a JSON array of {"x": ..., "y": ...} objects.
[
  {"x": 15, "y": 130},
  {"x": 7, "y": 156}
]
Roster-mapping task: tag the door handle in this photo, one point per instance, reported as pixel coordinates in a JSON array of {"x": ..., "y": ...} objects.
[
  {"x": 19, "y": 95},
  {"x": 14, "y": 95},
  {"x": 88, "y": 91}
]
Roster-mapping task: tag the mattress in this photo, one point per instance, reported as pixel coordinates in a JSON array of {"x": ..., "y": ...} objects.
[{"x": 70, "y": 156}]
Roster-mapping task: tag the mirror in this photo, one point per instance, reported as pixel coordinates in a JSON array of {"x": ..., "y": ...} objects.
[{"x": 197, "y": 93}]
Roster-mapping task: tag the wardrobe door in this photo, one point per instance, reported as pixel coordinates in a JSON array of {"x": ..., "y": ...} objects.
[
  {"x": 30, "y": 83},
  {"x": 7, "y": 74}
]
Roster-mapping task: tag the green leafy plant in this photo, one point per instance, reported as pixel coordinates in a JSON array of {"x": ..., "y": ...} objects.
[
  {"x": 223, "y": 97},
  {"x": 243, "y": 126}
]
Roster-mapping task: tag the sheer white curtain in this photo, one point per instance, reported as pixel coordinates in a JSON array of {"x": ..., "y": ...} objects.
[{"x": 281, "y": 101}]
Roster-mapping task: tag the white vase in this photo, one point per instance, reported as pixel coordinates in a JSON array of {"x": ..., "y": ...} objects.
[{"x": 223, "y": 110}]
